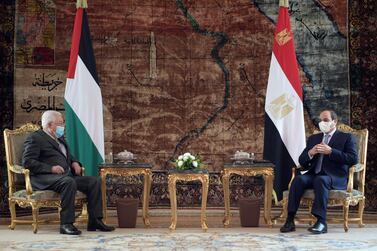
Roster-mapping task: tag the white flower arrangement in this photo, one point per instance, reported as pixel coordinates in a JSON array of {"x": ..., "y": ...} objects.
[{"x": 187, "y": 161}]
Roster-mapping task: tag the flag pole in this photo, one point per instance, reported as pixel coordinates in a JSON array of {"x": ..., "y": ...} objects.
[
  {"x": 83, "y": 99},
  {"x": 284, "y": 131},
  {"x": 283, "y": 3},
  {"x": 82, "y": 4}
]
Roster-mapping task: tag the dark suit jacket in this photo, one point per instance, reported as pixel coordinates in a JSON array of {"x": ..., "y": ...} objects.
[
  {"x": 41, "y": 152},
  {"x": 335, "y": 165}
]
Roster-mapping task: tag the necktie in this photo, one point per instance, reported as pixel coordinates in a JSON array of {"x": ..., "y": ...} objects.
[
  {"x": 62, "y": 148},
  {"x": 318, "y": 166}
]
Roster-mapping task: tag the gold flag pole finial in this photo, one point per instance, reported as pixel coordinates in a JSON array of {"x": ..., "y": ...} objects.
[
  {"x": 81, "y": 4},
  {"x": 283, "y": 3}
]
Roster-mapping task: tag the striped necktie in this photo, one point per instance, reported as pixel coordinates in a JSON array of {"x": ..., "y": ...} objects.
[{"x": 318, "y": 166}]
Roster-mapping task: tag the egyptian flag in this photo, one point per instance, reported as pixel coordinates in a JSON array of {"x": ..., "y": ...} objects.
[
  {"x": 284, "y": 131},
  {"x": 83, "y": 99}
]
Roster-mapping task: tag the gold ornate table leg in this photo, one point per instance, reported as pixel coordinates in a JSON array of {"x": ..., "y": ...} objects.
[
  {"x": 225, "y": 180},
  {"x": 146, "y": 194},
  {"x": 103, "y": 191},
  {"x": 268, "y": 187},
  {"x": 173, "y": 202},
  {"x": 205, "y": 184}
]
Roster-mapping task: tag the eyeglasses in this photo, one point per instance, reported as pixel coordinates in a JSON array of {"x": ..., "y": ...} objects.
[{"x": 59, "y": 124}]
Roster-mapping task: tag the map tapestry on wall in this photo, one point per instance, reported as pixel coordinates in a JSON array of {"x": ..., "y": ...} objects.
[
  {"x": 181, "y": 76},
  {"x": 35, "y": 32}
]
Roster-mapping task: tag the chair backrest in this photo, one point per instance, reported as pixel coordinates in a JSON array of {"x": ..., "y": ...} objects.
[
  {"x": 14, "y": 147},
  {"x": 361, "y": 137}
]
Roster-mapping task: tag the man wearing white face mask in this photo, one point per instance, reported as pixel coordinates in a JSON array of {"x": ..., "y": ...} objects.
[
  {"x": 327, "y": 157},
  {"x": 52, "y": 167}
]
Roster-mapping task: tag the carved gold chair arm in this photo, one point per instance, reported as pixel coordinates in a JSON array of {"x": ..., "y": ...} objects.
[
  {"x": 351, "y": 172},
  {"x": 294, "y": 170},
  {"x": 358, "y": 167},
  {"x": 17, "y": 169},
  {"x": 82, "y": 171},
  {"x": 22, "y": 170}
]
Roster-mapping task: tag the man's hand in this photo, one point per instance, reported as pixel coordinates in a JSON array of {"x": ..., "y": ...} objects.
[
  {"x": 76, "y": 167},
  {"x": 324, "y": 149},
  {"x": 314, "y": 150},
  {"x": 57, "y": 169},
  {"x": 320, "y": 148}
]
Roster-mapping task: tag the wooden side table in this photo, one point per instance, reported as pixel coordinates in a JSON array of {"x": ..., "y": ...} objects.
[
  {"x": 124, "y": 170},
  {"x": 266, "y": 169},
  {"x": 173, "y": 177}
]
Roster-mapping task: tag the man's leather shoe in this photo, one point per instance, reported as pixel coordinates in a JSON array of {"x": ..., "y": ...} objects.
[
  {"x": 69, "y": 229},
  {"x": 289, "y": 226},
  {"x": 93, "y": 225},
  {"x": 318, "y": 228}
]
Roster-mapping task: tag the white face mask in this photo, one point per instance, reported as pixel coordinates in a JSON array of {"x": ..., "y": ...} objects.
[{"x": 325, "y": 127}]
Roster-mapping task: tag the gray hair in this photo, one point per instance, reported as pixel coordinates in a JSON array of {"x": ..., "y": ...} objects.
[{"x": 48, "y": 117}]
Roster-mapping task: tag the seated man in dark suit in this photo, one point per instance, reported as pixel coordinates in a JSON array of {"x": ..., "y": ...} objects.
[
  {"x": 52, "y": 167},
  {"x": 327, "y": 157}
]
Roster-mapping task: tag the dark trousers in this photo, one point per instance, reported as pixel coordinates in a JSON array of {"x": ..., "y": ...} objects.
[
  {"x": 321, "y": 184},
  {"x": 67, "y": 188}
]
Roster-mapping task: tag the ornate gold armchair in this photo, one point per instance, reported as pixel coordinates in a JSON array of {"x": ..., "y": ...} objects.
[
  {"x": 20, "y": 189},
  {"x": 354, "y": 195}
]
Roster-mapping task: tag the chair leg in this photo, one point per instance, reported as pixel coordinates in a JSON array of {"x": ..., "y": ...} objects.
[
  {"x": 59, "y": 210},
  {"x": 83, "y": 216},
  {"x": 284, "y": 213},
  {"x": 346, "y": 206},
  {"x": 312, "y": 218},
  {"x": 12, "y": 209},
  {"x": 361, "y": 212},
  {"x": 35, "y": 212}
]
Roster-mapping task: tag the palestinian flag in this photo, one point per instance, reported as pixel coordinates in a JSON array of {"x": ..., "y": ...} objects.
[
  {"x": 83, "y": 99},
  {"x": 284, "y": 132}
]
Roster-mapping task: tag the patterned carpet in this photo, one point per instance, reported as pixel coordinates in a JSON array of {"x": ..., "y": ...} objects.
[
  {"x": 363, "y": 75},
  {"x": 189, "y": 236},
  {"x": 190, "y": 239}
]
